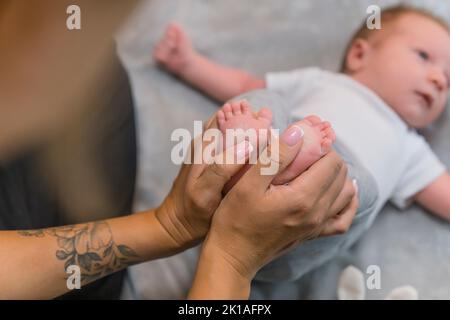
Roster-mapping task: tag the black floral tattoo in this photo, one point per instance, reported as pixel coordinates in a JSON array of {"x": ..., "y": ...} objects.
[
  {"x": 32, "y": 233},
  {"x": 91, "y": 247}
]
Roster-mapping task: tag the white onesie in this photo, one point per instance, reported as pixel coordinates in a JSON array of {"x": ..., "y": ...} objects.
[{"x": 399, "y": 159}]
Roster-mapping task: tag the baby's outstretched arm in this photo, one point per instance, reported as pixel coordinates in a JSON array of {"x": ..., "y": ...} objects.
[
  {"x": 436, "y": 197},
  {"x": 175, "y": 52}
]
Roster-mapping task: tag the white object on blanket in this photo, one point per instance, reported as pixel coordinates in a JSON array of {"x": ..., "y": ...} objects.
[
  {"x": 351, "y": 284},
  {"x": 351, "y": 287},
  {"x": 403, "y": 293}
]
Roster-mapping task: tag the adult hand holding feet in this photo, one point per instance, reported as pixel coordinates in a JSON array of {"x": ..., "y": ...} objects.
[
  {"x": 197, "y": 191},
  {"x": 318, "y": 136},
  {"x": 253, "y": 223},
  {"x": 259, "y": 220}
]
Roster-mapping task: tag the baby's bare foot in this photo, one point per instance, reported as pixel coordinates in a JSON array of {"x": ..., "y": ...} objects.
[
  {"x": 317, "y": 140},
  {"x": 238, "y": 115},
  {"x": 174, "y": 50}
]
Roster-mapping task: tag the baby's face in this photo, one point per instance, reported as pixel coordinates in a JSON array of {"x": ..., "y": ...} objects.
[{"x": 410, "y": 69}]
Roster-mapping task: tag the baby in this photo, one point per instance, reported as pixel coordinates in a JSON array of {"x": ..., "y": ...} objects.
[{"x": 393, "y": 81}]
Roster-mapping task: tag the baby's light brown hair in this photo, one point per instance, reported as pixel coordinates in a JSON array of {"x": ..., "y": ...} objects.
[{"x": 388, "y": 16}]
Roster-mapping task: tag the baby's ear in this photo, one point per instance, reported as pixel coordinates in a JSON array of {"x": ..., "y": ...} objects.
[
  {"x": 351, "y": 284},
  {"x": 357, "y": 55}
]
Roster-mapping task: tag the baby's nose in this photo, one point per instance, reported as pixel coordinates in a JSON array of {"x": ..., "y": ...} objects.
[{"x": 438, "y": 78}]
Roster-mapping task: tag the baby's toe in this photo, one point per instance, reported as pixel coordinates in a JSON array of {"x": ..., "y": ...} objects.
[
  {"x": 220, "y": 116},
  {"x": 313, "y": 120},
  {"x": 236, "y": 108},
  {"x": 265, "y": 114},
  {"x": 329, "y": 133},
  {"x": 326, "y": 145},
  {"x": 326, "y": 124},
  {"x": 245, "y": 107},
  {"x": 228, "y": 111}
]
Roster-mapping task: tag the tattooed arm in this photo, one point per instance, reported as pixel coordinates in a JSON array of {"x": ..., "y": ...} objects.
[
  {"x": 33, "y": 263},
  {"x": 254, "y": 223}
]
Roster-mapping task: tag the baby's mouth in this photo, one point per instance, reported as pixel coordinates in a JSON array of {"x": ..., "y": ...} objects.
[{"x": 426, "y": 98}]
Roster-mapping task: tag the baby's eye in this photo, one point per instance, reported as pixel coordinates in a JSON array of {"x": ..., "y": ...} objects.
[{"x": 423, "y": 54}]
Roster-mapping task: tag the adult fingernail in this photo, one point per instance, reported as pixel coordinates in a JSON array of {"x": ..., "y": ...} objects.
[
  {"x": 243, "y": 149},
  {"x": 292, "y": 135},
  {"x": 355, "y": 185}
]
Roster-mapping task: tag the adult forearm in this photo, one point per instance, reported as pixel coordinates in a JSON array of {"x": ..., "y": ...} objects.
[
  {"x": 217, "y": 278},
  {"x": 34, "y": 262}
]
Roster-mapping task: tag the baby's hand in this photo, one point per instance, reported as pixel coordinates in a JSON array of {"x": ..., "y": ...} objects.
[{"x": 174, "y": 50}]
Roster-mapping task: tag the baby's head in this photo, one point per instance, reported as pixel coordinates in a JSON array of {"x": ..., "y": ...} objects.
[{"x": 406, "y": 62}]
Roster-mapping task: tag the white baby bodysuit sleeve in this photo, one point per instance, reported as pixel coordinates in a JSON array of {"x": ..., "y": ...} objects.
[
  {"x": 423, "y": 168},
  {"x": 293, "y": 82}
]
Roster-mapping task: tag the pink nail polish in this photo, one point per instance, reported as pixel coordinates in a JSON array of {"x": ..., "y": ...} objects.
[
  {"x": 355, "y": 185},
  {"x": 292, "y": 135}
]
